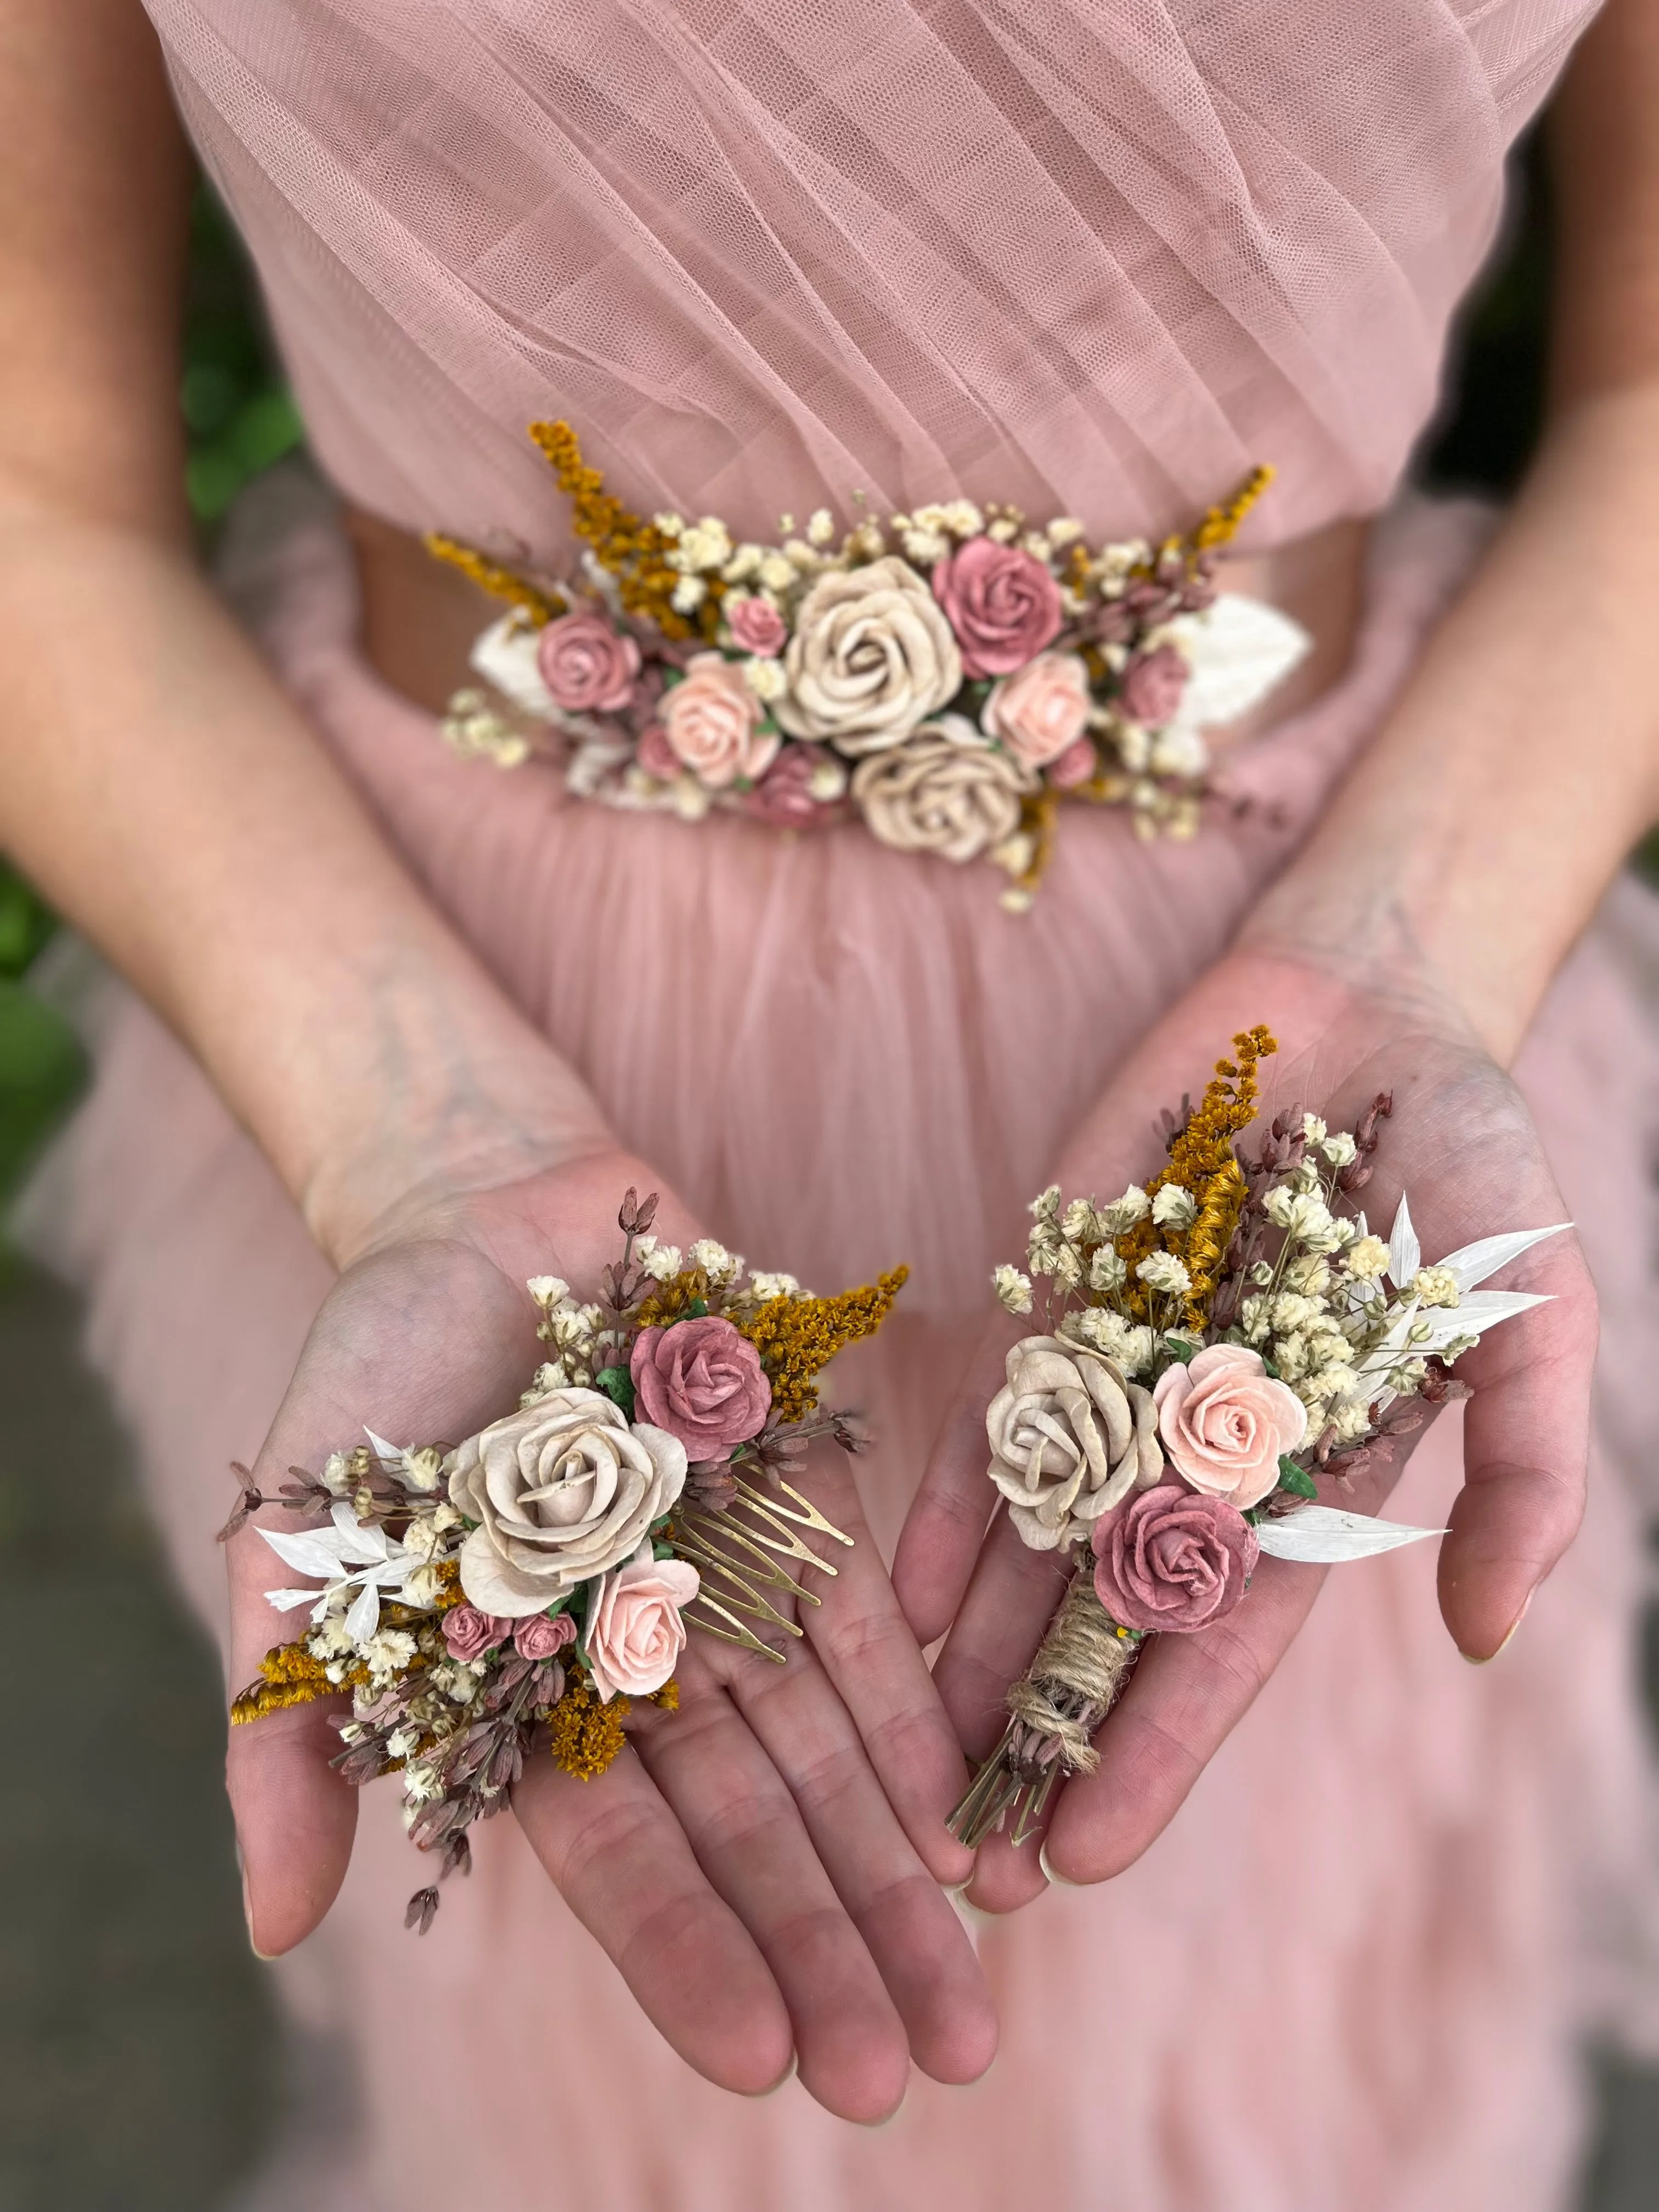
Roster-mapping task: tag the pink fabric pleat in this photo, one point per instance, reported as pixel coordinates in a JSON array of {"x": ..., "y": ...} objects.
[
  {"x": 1356, "y": 1971},
  {"x": 1095, "y": 257}
]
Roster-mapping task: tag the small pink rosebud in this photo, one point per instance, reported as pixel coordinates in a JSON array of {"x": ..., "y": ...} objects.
[{"x": 537, "y": 1637}]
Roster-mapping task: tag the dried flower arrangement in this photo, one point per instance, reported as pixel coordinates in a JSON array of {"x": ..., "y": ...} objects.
[
  {"x": 543, "y": 1573},
  {"x": 1209, "y": 1343},
  {"x": 947, "y": 676}
]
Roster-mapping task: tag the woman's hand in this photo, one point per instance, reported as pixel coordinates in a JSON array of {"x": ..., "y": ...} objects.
[
  {"x": 1460, "y": 1140},
  {"x": 763, "y": 1865}
]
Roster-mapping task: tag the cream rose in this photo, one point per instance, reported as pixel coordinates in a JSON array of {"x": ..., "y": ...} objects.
[
  {"x": 941, "y": 792},
  {"x": 1069, "y": 1439},
  {"x": 1041, "y": 711},
  {"x": 872, "y": 656},
  {"x": 634, "y": 1634},
  {"x": 1226, "y": 1421},
  {"x": 562, "y": 1490},
  {"x": 711, "y": 719}
]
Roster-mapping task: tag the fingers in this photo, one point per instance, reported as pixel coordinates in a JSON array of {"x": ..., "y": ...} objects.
[
  {"x": 743, "y": 1827},
  {"x": 867, "y": 1649},
  {"x": 1526, "y": 1449},
  {"x": 942, "y": 1532},
  {"x": 622, "y": 1863},
  {"x": 918, "y": 1944},
  {"x": 295, "y": 1819},
  {"x": 1010, "y": 1602},
  {"x": 1186, "y": 1695}
]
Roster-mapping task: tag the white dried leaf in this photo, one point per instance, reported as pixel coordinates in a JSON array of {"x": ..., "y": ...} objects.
[
  {"x": 1405, "y": 1252},
  {"x": 1473, "y": 1263},
  {"x": 506, "y": 657},
  {"x": 1323, "y": 1535},
  {"x": 1238, "y": 649}
]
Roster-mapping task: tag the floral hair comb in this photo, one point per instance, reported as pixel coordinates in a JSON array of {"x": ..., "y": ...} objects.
[
  {"x": 541, "y": 1575},
  {"x": 1210, "y": 1343},
  {"x": 947, "y": 676}
]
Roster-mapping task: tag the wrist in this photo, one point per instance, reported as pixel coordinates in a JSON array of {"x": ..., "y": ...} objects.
[
  {"x": 1473, "y": 839},
  {"x": 452, "y": 1094}
]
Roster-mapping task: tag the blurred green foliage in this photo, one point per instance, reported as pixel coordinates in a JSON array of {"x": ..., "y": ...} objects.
[{"x": 239, "y": 416}]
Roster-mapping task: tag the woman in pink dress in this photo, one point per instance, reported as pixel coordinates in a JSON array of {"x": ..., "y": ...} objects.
[{"x": 395, "y": 1029}]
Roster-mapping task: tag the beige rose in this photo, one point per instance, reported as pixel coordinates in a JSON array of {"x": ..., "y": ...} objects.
[
  {"x": 1069, "y": 1439},
  {"x": 945, "y": 792},
  {"x": 1042, "y": 710},
  {"x": 562, "y": 1490},
  {"x": 634, "y": 1634},
  {"x": 1225, "y": 1422},
  {"x": 712, "y": 719},
  {"x": 872, "y": 656}
]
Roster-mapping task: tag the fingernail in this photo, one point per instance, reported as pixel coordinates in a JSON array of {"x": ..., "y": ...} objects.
[
  {"x": 1508, "y": 1639},
  {"x": 1058, "y": 1880},
  {"x": 263, "y": 1957}
]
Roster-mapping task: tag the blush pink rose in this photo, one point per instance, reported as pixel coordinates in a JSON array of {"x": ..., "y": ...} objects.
[
  {"x": 537, "y": 1637},
  {"x": 1075, "y": 765},
  {"x": 1172, "y": 1560},
  {"x": 782, "y": 799},
  {"x": 702, "y": 1382},
  {"x": 712, "y": 722},
  {"x": 655, "y": 755},
  {"x": 634, "y": 1634},
  {"x": 1002, "y": 604},
  {"x": 1041, "y": 711},
  {"x": 589, "y": 667},
  {"x": 1153, "y": 686},
  {"x": 1225, "y": 1422},
  {"x": 469, "y": 1633},
  {"x": 755, "y": 626}
]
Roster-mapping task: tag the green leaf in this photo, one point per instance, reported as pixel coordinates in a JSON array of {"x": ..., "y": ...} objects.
[
  {"x": 1271, "y": 1369},
  {"x": 660, "y": 1551},
  {"x": 1295, "y": 1480},
  {"x": 617, "y": 1385},
  {"x": 695, "y": 1310},
  {"x": 1177, "y": 1348}
]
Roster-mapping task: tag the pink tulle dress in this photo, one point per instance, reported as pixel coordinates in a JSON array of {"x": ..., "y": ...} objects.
[{"x": 1092, "y": 256}]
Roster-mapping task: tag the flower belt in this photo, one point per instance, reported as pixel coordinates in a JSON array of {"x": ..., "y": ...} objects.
[{"x": 947, "y": 676}]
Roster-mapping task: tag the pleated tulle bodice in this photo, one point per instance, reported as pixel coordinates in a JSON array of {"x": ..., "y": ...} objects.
[{"x": 1095, "y": 256}]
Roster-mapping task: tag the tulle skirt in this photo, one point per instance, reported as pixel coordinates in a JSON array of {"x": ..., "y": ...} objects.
[{"x": 1357, "y": 1972}]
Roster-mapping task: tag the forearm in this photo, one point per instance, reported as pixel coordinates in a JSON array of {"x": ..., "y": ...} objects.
[
  {"x": 1475, "y": 837},
  {"x": 167, "y": 797}
]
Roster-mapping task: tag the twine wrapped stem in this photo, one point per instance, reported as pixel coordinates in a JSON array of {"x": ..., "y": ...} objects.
[{"x": 1054, "y": 1708}]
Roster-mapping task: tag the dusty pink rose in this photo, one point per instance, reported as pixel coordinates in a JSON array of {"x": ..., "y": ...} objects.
[
  {"x": 469, "y": 1633},
  {"x": 634, "y": 1634},
  {"x": 537, "y": 1637},
  {"x": 1041, "y": 711},
  {"x": 655, "y": 755},
  {"x": 1002, "y": 604},
  {"x": 1152, "y": 687},
  {"x": 1225, "y": 1422},
  {"x": 589, "y": 667},
  {"x": 1172, "y": 1560},
  {"x": 712, "y": 722},
  {"x": 702, "y": 1382},
  {"x": 1074, "y": 766},
  {"x": 783, "y": 798},
  {"x": 755, "y": 626}
]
